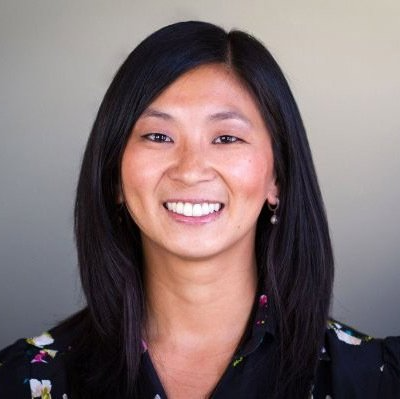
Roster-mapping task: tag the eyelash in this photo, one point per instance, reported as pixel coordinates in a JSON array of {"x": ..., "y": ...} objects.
[
  {"x": 163, "y": 138},
  {"x": 230, "y": 139}
]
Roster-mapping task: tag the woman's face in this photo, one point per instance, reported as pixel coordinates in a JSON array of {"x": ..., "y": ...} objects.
[{"x": 198, "y": 167}]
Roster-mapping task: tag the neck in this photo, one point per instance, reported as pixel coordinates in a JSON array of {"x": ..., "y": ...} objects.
[{"x": 195, "y": 302}]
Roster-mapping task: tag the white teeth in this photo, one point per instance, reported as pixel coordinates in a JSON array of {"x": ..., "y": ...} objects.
[
  {"x": 179, "y": 208},
  {"x": 205, "y": 209},
  {"x": 197, "y": 210},
  {"x": 194, "y": 210},
  {"x": 188, "y": 209}
]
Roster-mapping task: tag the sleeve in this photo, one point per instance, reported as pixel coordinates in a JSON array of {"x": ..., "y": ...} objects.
[
  {"x": 390, "y": 380},
  {"x": 33, "y": 368},
  {"x": 14, "y": 372},
  {"x": 362, "y": 367}
]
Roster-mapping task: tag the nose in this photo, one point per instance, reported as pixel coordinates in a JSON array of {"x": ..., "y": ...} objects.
[{"x": 191, "y": 165}]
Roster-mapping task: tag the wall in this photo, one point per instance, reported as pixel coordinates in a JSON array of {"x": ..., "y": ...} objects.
[{"x": 342, "y": 60}]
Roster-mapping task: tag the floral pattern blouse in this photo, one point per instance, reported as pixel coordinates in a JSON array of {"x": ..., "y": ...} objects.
[{"x": 351, "y": 365}]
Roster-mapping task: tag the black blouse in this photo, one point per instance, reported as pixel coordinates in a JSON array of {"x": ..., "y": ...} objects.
[{"x": 351, "y": 365}]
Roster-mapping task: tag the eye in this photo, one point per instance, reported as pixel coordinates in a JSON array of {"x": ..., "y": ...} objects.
[
  {"x": 226, "y": 139},
  {"x": 158, "y": 137}
]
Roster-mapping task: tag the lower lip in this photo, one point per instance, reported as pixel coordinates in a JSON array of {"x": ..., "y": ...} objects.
[{"x": 194, "y": 219}]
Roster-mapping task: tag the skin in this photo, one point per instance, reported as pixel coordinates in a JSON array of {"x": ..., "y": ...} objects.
[{"x": 200, "y": 278}]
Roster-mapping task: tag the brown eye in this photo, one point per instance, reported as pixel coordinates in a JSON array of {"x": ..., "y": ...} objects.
[
  {"x": 158, "y": 137},
  {"x": 226, "y": 139}
]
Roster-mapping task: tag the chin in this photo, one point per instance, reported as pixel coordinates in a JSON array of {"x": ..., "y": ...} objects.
[{"x": 193, "y": 251}]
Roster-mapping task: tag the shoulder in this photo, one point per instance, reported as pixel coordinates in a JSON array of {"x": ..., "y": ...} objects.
[
  {"x": 357, "y": 365},
  {"x": 34, "y": 368}
]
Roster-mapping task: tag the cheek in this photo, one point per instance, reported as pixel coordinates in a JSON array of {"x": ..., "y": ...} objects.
[
  {"x": 136, "y": 186},
  {"x": 252, "y": 175},
  {"x": 135, "y": 174}
]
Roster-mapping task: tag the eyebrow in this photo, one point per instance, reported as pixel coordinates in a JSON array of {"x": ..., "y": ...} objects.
[
  {"x": 226, "y": 115},
  {"x": 154, "y": 113},
  {"x": 218, "y": 116}
]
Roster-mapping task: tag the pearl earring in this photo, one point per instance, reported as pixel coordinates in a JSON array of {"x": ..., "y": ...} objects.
[{"x": 274, "y": 219}]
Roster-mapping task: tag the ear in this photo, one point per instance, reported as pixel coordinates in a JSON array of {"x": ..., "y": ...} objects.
[
  {"x": 120, "y": 199},
  {"x": 273, "y": 193},
  {"x": 120, "y": 195}
]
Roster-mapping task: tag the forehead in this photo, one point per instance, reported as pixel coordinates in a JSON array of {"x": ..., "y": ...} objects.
[
  {"x": 211, "y": 89},
  {"x": 218, "y": 72}
]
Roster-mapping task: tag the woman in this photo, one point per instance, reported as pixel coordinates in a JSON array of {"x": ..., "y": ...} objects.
[{"x": 203, "y": 244}]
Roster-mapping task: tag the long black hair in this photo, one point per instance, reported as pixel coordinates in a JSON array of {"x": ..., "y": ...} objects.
[{"x": 294, "y": 257}]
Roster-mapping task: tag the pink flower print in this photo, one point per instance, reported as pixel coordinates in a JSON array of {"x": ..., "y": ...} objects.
[
  {"x": 263, "y": 300},
  {"x": 39, "y": 358}
]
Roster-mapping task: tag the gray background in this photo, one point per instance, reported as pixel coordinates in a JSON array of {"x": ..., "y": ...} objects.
[{"x": 342, "y": 59}]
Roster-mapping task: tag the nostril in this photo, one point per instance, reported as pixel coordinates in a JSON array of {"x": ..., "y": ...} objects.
[{"x": 191, "y": 169}]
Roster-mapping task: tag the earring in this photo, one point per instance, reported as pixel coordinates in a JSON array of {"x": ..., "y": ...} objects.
[{"x": 274, "y": 219}]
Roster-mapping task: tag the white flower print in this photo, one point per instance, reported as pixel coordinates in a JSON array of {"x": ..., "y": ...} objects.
[
  {"x": 345, "y": 337},
  {"x": 41, "y": 340},
  {"x": 40, "y": 389}
]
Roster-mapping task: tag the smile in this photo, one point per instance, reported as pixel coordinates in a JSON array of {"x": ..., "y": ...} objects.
[{"x": 193, "y": 209}]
